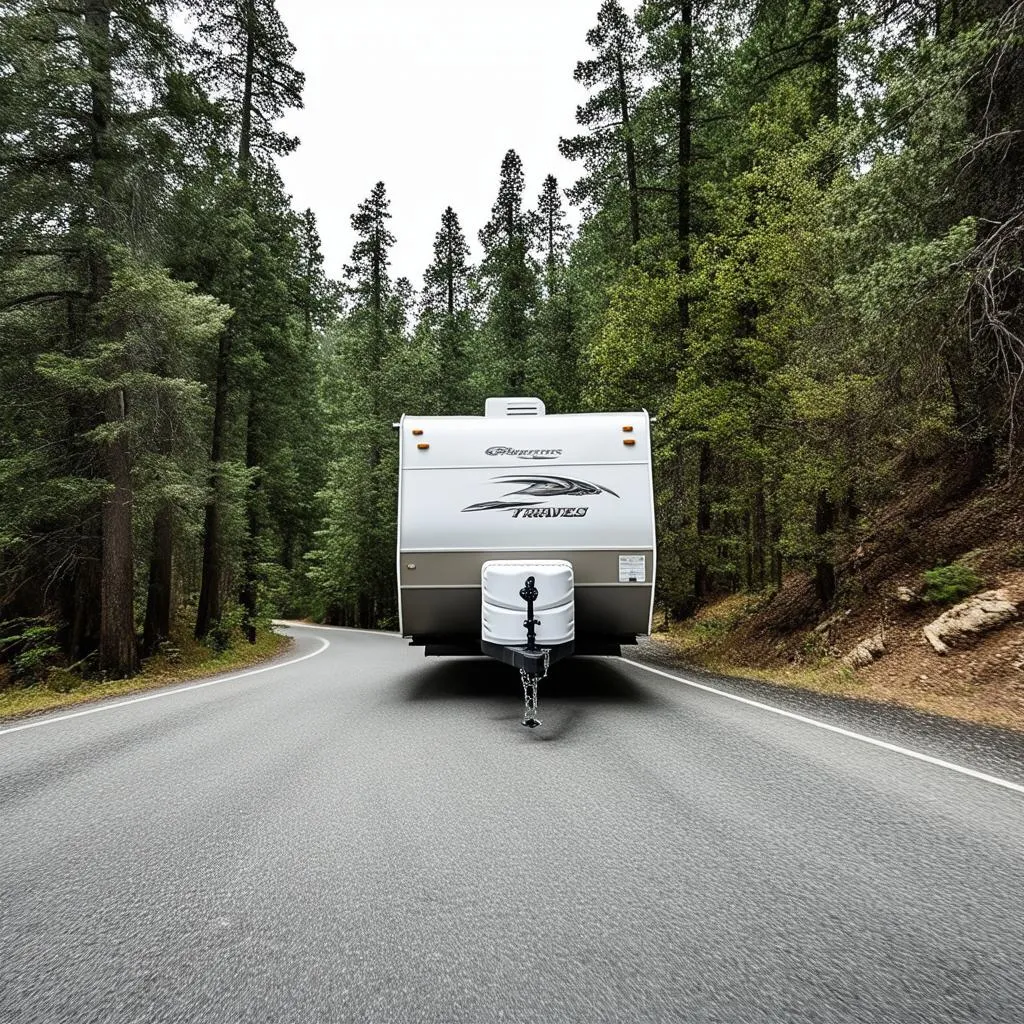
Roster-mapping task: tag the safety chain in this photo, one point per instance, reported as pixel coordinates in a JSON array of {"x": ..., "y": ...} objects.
[{"x": 530, "y": 719}]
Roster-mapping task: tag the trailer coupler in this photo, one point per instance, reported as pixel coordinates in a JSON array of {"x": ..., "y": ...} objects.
[{"x": 532, "y": 667}]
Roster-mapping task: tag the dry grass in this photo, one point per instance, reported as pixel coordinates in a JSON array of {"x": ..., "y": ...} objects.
[{"x": 188, "y": 661}]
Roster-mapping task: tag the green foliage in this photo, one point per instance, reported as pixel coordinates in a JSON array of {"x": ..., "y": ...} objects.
[
  {"x": 800, "y": 249},
  {"x": 225, "y": 631},
  {"x": 948, "y": 583},
  {"x": 29, "y": 647},
  {"x": 510, "y": 285}
]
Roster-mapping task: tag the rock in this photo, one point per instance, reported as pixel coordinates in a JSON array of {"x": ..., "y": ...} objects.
[
  {"x": 865, "y": 652},
  {"x": 970, "y": 618},
  {"x": 907, "y": 595},
  {"x": 835, "y": 620}
]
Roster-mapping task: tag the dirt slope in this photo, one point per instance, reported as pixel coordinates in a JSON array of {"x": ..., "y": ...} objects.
[{"x": 790, "y": 637}]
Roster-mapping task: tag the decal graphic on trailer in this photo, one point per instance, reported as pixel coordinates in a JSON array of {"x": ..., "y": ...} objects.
[
  {"x": 541, "y": 487},
  {"x": 524, "y": 453}
]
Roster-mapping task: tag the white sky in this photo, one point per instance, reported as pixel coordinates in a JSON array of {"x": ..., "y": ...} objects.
[{"x": 427, "y": 97}]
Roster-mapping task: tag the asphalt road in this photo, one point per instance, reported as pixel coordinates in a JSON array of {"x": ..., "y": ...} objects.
[{"x": 364, "y": 836}]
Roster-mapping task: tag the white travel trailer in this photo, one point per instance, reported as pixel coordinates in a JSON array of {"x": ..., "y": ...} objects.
[{"x": 524, "y": 536}]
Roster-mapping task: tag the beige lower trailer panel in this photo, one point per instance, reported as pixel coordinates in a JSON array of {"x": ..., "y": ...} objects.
[
  {"x": 440, "y": 592},
  {"x": 617, "y": 610},
  {"x": 462, "y": 568}
]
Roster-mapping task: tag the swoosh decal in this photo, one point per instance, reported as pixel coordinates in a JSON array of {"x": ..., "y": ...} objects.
[{"x": 554, "y": 486}]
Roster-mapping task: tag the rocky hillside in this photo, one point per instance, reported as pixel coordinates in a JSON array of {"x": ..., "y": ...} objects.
[{"x": 940, "y": 567}]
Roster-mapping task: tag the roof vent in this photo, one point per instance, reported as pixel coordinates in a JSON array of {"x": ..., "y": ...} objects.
[{"x": 514, "y": 407}]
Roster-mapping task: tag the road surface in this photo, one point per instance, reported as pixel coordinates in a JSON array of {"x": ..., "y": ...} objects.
[{"x": 363, "y": 835}]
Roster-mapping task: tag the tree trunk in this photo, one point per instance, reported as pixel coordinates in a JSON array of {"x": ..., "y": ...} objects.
[
  {"x": 760, "y": 536},
  {"x": 245, "y": 133},
  {"x": 825, "y": 97},
  {"x": 700, "y": 580},
  {"x": 685, "y": 113},
  {"x": 824, "y": 569},
  {"x": 158, "y": 595},
  {"x": 82, "y": 604},
  {"x": 118, "y": 651},
  {"x": 209, "y": 610},
  {"x": 748, "y": 550},
  {"x": 250, "y": 574},
  {"x": 631, "y": 177},
  {"x": 776, "y": 540},
  {"x": 450, "y": 278}
]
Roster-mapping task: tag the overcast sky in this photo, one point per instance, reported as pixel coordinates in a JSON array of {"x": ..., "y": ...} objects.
[{"x": 427, "y": 97}]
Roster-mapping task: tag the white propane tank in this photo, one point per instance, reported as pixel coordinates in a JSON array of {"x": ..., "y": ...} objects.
[{"x": 504, "y": 611}]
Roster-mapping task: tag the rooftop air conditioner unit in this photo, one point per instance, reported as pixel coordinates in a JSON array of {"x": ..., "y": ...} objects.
[{"x": 514, "y": 407}]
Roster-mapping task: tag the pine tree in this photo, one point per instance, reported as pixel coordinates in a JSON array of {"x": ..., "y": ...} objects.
[
  {"x": 370, "y": 284},
  {"x": 91, "y": 126},
  {"x": 445, "y": 317},
  {"x": 246, "y": 63},
  {"x": 551, "y": 233},
  {"x": 509, "y": 279},
  {"x": 365, "y": 391},
  {"x": 446, "y": 280},
  {"x": 609, "y": 150},
  {"x": 554, "y": 343}
]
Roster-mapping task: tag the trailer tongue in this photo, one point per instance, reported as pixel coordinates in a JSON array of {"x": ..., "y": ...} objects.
[
  {"x": 525, "y": 537},
  {"x": 502, "y": 624}
]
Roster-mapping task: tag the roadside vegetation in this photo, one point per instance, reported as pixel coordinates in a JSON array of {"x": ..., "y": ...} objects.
[
  {"x": 59, "y": 686},
  {"x": 901, "y": 578},
  {"x": 800, "y": 247}
]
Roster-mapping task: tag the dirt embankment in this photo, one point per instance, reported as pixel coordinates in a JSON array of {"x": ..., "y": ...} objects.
[{"x": 884, "y": 593}]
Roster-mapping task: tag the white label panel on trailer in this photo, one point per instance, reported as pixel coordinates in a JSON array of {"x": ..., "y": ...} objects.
[
  {"x": 571, "y": 507},
  {"x": 632, "y": 569}
]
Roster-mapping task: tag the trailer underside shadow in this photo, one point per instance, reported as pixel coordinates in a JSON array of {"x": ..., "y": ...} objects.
[{"x": 580, "y": 680}]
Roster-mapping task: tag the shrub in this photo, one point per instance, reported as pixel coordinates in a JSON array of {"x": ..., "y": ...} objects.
[
  {"x": 224, "y": 631},
  {"x": 947, "y": 583},
  {"x": 29, "y": 645}
]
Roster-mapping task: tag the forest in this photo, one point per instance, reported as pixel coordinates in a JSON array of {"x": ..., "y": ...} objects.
[{"x": 800, "y": 246}]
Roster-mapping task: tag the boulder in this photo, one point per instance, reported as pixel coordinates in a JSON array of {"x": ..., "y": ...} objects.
[
  {"x": 865, "y": 652},
  {"x": 970, "y": 618},
  {"x": 906, "y": 595}
]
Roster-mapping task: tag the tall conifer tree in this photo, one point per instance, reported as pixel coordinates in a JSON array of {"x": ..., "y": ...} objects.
[
  {"x": 509, "y": 277},
  {"x": 246, "y": 62},
  {"x": 445, "y": 317},
  {"x": 608, "y": 148}
]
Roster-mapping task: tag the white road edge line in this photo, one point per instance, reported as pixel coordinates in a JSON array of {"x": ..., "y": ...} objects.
[
  {"x": 338, "y": 629},
  {"x": 36, "y": 723},
  {"x": 894, "y": 748}
]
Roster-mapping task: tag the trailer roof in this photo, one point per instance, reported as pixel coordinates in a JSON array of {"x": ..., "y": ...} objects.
[{"x": 568, "y": 439}]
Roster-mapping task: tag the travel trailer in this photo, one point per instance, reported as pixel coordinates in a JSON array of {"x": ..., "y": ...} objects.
[{"x": 525, "y": 537}]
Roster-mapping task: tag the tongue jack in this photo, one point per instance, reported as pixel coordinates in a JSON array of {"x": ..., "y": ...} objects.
[{"x": 530, "y": 594}]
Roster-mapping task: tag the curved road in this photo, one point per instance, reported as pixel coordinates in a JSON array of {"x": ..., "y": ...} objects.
[{"x": 367, "y": 836}]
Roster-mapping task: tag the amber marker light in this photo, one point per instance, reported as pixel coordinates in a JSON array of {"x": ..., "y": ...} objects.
[
  {"x": 422, "y": 446},
  {"x": 627, "y": 429},
  {"x": 417, "y": 432},
  {"x": 625, "y": 440}
]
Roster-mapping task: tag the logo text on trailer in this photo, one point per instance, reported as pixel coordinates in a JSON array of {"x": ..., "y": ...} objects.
[
  {"x": 524, "y": 453},
  {"x": 542, "y": 487}
]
